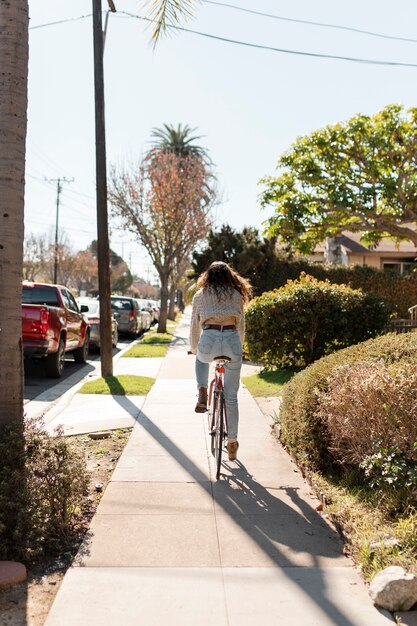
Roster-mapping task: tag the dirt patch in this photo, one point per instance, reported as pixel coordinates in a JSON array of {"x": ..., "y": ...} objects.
[{"x": 28, "y": 603}]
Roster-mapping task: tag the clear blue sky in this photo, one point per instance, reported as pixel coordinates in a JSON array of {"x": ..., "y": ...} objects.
[{"x": 249, "y": 104}]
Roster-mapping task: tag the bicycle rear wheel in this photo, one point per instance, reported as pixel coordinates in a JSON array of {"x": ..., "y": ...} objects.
[{"x": 219, "y": 433}]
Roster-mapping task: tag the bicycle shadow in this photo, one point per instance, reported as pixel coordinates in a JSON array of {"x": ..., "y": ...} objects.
[{"x": 286, "y": 528}]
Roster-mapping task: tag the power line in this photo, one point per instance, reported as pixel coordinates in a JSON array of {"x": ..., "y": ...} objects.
[
  {"x": 44, "y": 157},
  {"x": 260, "y": 46},
  {"x": 310, "y": 22},
  {"x": 247, "y": 44},
  {"x": 68, "y": 19}
]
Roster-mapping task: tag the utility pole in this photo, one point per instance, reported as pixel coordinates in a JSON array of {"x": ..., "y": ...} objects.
[
  {"x": 106, "y": 351},
  {"x": 58, "y": 182}
]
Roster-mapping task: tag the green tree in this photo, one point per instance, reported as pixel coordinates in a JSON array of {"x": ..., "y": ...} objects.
[
  {"x": 359, "y": 175},
  {"x": 248, "y": 253}
]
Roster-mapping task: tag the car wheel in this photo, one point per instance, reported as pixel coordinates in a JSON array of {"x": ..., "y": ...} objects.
[
  {"x": 81, "y": 354},
  {"x": 54, "y": 362}
]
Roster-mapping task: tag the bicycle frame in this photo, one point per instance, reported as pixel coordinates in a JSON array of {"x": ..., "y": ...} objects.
[{"x": 217, "y": 413}]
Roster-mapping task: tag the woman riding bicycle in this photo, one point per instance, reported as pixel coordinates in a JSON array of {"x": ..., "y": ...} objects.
[{"x": 218, "y": 328}]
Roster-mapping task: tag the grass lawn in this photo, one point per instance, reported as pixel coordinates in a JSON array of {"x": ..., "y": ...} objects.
[
  {"x": 157, "y": 338},
  {"x": 123, "y": 385},
  {"x": 147, "y": 350},
  {"x": 267, "y": 384},
  {"x": 153, "y": 344}
]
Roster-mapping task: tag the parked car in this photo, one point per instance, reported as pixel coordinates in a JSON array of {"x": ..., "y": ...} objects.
[
  {"x": 91, "y": 308},
  {"x": 156, "y": 306},
  {"x": 127, "y": 313},
  {"x": 145, "y": 311},
  {"x": 53, "y": 325}
]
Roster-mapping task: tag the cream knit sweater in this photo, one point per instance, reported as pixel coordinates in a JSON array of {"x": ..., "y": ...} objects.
[{"x": 207, "y": 306}]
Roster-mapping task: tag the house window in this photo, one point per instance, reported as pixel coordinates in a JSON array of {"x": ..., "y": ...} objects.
[{"x": 399, "y": 267}]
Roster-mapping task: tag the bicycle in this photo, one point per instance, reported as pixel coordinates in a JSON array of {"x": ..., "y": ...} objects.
[{"x": 217, "y": 417}]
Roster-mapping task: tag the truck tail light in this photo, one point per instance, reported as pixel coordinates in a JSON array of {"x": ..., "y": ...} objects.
[
  {"x": 44, "y": 321},
  {"x": 132, "y": 315}
]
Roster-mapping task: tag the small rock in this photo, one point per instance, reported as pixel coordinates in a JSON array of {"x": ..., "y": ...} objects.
[
  {"x": 104, "y": 434},
  {"x": 385, "y": 543},
  {"x": 394, "y": 589},
  {"x": 12, "y": 573},
  {"x": 320, "y": 507}
]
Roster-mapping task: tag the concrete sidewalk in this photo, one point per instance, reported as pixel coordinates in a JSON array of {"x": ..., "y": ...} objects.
[{"x": 171, "y": 545}]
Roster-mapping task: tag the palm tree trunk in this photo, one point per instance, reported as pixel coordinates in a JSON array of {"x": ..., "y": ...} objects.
[{"x": 13, "y": 111}]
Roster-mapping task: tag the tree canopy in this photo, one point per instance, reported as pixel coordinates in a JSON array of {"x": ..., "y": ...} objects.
[
  {"x": 178, "y": 140},
  {"x": 244, "y": 250},
  {"x": 359, "y": 175}
]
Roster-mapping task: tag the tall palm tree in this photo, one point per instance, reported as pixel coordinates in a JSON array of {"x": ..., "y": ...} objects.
[
  {"x": 14, "y": 22},
  {"x": 178, "y": 140}
]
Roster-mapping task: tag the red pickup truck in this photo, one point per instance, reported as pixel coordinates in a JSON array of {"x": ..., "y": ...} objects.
[{"x": 52, "y": 325}]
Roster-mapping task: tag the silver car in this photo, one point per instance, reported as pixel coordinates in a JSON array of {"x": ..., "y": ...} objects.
[
  {"x": 127, "y": 313},
  {"x": 91, "y": 309},
  {"x": 147, "y": 317}
]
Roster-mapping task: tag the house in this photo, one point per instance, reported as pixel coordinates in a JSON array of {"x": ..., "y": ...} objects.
[{"x": 347, "y": 249}]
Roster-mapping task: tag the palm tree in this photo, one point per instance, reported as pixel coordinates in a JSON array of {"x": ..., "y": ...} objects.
[
  {"x": 165, "y": 13},
  {"x": 178, "y": 140},
  {"x": 14, "y": 22}
]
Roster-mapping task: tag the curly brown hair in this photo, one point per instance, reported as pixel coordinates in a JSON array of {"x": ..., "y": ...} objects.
[{"x": 222, "y": 279}]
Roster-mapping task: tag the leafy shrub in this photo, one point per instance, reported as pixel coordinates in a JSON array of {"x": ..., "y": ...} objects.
[
  {"x": 368, "y": 406},
  {"x": 45, "y": 497},
  {"x": 303, "y": 431},
  {"x": 400, "y": 292},
  {"x": 13, "y": 492},
  {"x": 307, "y": 319},
  {"x": 393, "y": 473}
]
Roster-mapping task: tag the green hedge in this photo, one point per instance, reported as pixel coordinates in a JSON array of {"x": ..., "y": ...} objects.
[
  {"x": 400, "y": 292},
  {"x": 303, "y": 432},
  {"x": 307, "y": 319}
]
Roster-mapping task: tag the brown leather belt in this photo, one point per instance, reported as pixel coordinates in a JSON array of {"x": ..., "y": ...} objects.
[{"x": 218, "y": 327}]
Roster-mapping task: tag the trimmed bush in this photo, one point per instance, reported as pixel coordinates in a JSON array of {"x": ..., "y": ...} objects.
[
  {"x": 303, "y": 431},
  {"x": 400, "y": 292},
  {"x": 370, "y": 411},
  {"x": 307, "y": 319},
  {"x": 369, "y": 406}
]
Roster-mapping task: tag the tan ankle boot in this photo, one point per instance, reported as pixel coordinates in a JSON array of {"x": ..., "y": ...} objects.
[
  {"x": 201, "y": 406},
  {"x": 232, "y": 447}
]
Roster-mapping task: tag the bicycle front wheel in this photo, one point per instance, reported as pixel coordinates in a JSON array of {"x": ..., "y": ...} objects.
[{"x": 219, "y": 433}]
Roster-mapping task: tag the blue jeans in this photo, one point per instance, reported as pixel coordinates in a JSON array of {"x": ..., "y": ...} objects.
[{"x": 215, "y": 343}]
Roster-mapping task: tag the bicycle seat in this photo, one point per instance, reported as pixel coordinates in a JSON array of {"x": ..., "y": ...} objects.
[{"x": 222, "y": 357}]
